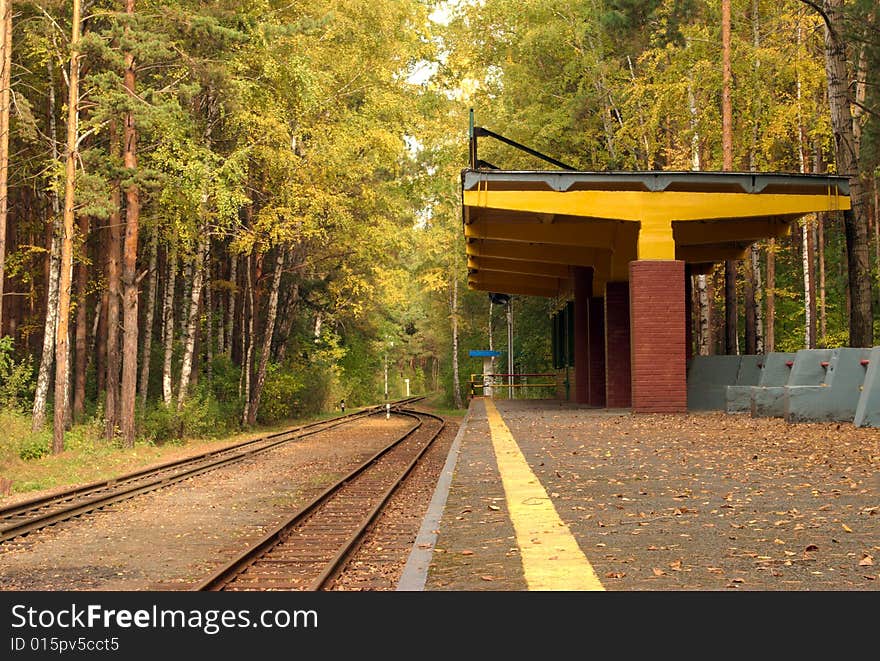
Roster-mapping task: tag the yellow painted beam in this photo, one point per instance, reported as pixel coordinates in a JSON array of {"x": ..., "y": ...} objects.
[
  {"x": 724, "y": 231},
  {"x": 582, "y": 233},
  {"x": 641, "y": 205},
  {"x": 655, "y": 240},
  {"x": 698, "y": 254},
  {"x": 483, "y": 264},
  {"x": 519, "y": 290},
  {"x": 551, "y": 557},
  {"x": 540, "y": 281},
  {"x": 536, "y": 252}
]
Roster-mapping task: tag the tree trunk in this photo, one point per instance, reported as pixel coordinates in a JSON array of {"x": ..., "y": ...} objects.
[
  {"x": 192, "y": 326},
  {"x": 809, "y": 287},
  {"x": 750, "y": 307},
  {"x": 706, "y": 343},
  {"x": 82, "y": 277},
  {"x": 730, "y": 329},
  {"x": 877, "y": 223},
  {"x": 101, "y": 346},
  {"x": 287, "y": 322},
  {"x": 267, "y": 338},
  {"x": 209, "y": 318},
  {"x": 806, "y": 249},
  {"x": 61, "y": 336},
  {"x": 770, "y": 335},
  {"x": 168, "y": 323},
  {"x": 726, "y": 78},
  {"x": 247, "y": 339},
  {"x": 130, "y": 278},
  {"x": 759, "y": 297},
  {"x": 5, "y": 109},
  {"x": 847, "y": 157},
  {"x": 230, "y": 309},
  {"x": 151, "y": 313},
  {"x": 47, "y": 358},
  {"x": 114, "y": 296},
  {"x": 456, "y": 385}
]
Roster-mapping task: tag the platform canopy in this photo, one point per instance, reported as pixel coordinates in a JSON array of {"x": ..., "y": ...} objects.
[{"x": 528, "y": 230}]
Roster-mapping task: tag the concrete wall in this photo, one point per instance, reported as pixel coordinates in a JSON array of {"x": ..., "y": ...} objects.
[
  {"x": 836, "y": 398},
  {"x": 707, "y": 380},
  {"x": 738, "y": 397},
  {"x": 774, "y": 374},
  {"x": 868, "y": 409}
]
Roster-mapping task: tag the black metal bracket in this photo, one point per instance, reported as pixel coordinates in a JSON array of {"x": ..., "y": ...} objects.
[{"x": 475, "y": 132}]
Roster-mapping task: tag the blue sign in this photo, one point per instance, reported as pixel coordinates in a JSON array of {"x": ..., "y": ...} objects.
[{"x": 483, "y": 353}]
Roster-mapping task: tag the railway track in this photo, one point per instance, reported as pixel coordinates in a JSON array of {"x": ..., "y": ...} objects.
[
  {"x": 308, "y": 550},
  {"x": 28, "y": 516}
]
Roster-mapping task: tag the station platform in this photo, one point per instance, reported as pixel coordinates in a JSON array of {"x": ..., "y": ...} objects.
[{"x": 554, "y": 496}]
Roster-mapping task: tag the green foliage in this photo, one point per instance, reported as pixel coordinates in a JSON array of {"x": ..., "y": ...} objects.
[
  {"x": 295, "y": 391},
  {"x": 17, "y": 379},
  {"x": 201, "y": 416},
  {"x": 34, "y": 449}
]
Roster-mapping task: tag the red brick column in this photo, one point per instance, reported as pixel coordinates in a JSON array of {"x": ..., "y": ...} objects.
[
  {"x": 657, "y": 318},
  {"x": 596, "y": 342},
  {"x": 617, "y": 346},
  {"x": 583, "y": 287}
]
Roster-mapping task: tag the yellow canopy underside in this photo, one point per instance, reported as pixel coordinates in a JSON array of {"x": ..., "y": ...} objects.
[{"x": 529, "y": 241}]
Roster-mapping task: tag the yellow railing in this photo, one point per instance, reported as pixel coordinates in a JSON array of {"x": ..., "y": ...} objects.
[{"x": 478, "y": 383}]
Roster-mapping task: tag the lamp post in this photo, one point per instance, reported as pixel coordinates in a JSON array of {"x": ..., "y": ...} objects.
[{"x": 389, "y": 345}]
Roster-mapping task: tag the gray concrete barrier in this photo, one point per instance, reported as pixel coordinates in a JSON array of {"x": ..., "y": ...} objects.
[
  {"x": 837, "y": 397},
  {"x": 805, "y": 369},
  {"x": 737, "y": 397},
  {"x": 868, "y": 409},
  {"x": 707, "y": 381}
]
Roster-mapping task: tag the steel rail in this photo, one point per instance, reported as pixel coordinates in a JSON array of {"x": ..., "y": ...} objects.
[
  {"x": 332, "y": 568},
  {"x": 238, "y": 565},
  {"x": 131, "y": 484}
]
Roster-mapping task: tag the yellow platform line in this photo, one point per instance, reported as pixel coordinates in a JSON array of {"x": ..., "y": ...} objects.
[{"x": 551, "y": 557}]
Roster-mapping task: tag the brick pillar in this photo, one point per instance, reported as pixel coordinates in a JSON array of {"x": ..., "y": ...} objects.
[
  {"x": 596, "y": 342},
  {"x": 583, "y": 287},
  {"x": 657, "y": 313},
  {"x": 617, "y": 350}
]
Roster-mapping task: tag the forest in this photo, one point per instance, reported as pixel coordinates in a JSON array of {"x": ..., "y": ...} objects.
[{"x": 220, "y": 214}]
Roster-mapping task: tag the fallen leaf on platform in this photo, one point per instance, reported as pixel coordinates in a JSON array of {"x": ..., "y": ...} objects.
[
  {"x": 487, "y": 578},
  {"x": 867, "y": 561},
  {"x": 676, "y": 565},
  {"x": 715, "y": 570},
  {"x": 846, "y": 527},
  {"x": 811, "y": 547},
  {"x": 615, "y": 574},
  {"x": 467, "y": 552},
  {"x": 494, "y": 508},
  {"x": 659, "y": 572}
]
